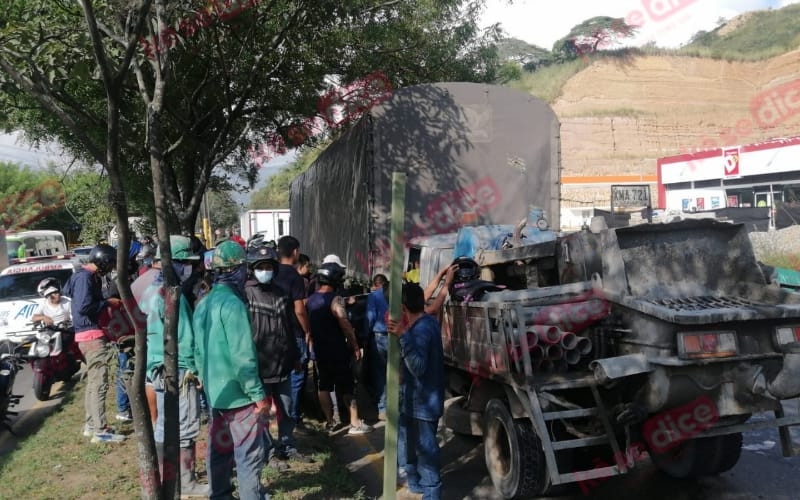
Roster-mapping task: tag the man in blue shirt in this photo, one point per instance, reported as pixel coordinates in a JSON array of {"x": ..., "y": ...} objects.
[
  {"x": 377, "y": 305},
  {"x": 421, "y": 394}
]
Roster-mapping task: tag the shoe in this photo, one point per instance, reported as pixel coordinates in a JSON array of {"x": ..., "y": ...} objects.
[
  {"x": 277, "y": 465},
  {"x": 296, "y": 456},
  {"x": 189, "y": 485},
  {"x": 107, "y": 437},
  {"x": 360, "y": 429},
  {"x": 87, "y": 431},
  {"x": 124, "y": 416}
]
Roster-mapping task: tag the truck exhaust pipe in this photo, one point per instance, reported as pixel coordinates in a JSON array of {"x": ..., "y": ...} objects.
[{"x": 786, "y": 384}]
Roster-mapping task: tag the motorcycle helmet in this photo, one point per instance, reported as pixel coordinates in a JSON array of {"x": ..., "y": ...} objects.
[
  {"x": 468, "y": 270},
  {"x": 104, "y": 257},
  {"x": 330, "y": 274},
  {"x": 262, "y": 253},
  {"x": 48, "y": 286}
]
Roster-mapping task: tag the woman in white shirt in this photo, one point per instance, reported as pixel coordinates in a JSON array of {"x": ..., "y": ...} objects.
[{"x": 55, "y": 309}]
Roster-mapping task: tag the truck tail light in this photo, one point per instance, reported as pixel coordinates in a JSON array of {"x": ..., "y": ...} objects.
[
  {"x": 787, "y": 335},
  {"x": 694, "y": 345}
]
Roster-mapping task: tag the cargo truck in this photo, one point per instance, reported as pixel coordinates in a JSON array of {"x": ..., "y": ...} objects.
[{"x": 465, "y": 147}]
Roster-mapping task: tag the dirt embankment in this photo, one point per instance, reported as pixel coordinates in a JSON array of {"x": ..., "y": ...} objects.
[{"x": 619, "y": 115}]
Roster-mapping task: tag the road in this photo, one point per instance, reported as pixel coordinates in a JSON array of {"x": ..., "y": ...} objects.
[
  {"x": 30, "y": 411},
  {"x": 762, "y": 472}
]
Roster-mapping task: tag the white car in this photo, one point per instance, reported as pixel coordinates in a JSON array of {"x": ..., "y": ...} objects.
[{"x": 18, "y": 296}]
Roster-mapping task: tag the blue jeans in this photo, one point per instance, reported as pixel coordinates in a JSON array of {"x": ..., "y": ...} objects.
[
  {"x": 379, "y": 352},
  {"x": 418, "y": 454},
  {"x": 281, "y": 393},
  {"x": 298, "y": 380},
  {"x": 236, "y": 438},
  {"x": 123, "y": 403}
]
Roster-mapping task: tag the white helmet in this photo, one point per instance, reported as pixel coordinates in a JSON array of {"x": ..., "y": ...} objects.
[{"x": 48, "y": 286}]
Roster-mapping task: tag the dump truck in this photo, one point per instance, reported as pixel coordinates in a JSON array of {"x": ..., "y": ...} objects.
[
  {"x": 464, "y": 147},
  {"x": 577, "y": 356}
]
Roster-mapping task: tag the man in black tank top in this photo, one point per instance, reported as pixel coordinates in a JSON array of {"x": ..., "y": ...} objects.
[{"x": 334, "y": 344}]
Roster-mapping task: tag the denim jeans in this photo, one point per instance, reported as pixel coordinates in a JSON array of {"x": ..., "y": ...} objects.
[
  {"x": 418, "y": 454},
  {"x": 123, "y": 403},
  {"x": 188, "y": 411},
  {"x": 379, "y": 352},
  {"x": 298, "y": 380},
  {"x": 236, "y": 439},
  {"x": 281, "y": 393},
  {"x": 97, "y": 358}
]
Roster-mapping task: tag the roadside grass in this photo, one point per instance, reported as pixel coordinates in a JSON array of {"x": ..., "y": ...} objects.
[
  {"x": 58, "y": 462},
  {"x": 623, "y": 112}
]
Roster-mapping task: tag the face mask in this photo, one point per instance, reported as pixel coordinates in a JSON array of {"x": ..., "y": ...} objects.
[
  {"x": 182, "y": 270},
  {"x": 263, "y": 276}
]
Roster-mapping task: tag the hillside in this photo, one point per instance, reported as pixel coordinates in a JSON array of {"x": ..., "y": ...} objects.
[{"x": 620, "y": 112}]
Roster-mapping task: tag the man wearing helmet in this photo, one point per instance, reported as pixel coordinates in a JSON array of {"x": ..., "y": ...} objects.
[
  {"x": 85, "y": 289},
  {"x": 226, "y": 357},
  {"x": 154, "y": 306},
  {"x": 334, "y": 345},
  {"x": 277, "y": 350},
  {"x": 55, "y": 309}
]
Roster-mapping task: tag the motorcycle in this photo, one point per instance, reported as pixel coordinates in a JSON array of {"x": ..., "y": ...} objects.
[
  {"x": 54, "y": 355},
  {"x": 11, "y": 362}
]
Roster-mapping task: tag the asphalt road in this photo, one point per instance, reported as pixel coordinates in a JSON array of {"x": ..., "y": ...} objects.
[
  {"x": 761, "y": 473},
  {"x": 30, "y": 411}
]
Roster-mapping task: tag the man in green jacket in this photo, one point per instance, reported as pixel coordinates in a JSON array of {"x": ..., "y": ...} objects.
[
  {"x": 188, "y": 403},
  {"x": 226, "y": 357}
]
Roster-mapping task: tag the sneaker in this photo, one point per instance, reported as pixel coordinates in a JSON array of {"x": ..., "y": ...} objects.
[
  {"x": 87, "y": 431},
  {"x": 107, "y": 437},
  {"x": 362, "y": 428},
  {"x": 124, "y": 416}
]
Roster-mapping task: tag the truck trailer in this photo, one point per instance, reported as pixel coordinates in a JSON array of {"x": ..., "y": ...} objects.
[{"x": 464, "y": 147}]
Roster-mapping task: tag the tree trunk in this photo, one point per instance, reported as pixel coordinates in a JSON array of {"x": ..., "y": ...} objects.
[{"x": 171, "y": 480}]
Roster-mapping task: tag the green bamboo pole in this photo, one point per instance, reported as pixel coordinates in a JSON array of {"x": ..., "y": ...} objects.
[{"x": 393, "y": 362}]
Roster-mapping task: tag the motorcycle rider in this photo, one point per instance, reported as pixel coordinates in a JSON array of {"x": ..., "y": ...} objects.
[
  {"x": 277, "y": 350},
  {"x": 85, "y": 289},
  {"x": 55, "y": 309},
  {"x": 153, "y": 305}
]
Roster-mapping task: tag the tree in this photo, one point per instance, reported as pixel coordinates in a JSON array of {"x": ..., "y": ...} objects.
[
  {"x": 41, "y": 43},
  {"x": 528, "y": 55},
  {"x": 509, "y": 71},
  {"x": 223, "y": 209},
  {"x": 596, "y": 33}
]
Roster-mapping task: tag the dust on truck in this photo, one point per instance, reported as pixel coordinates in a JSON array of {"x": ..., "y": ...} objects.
[
  {"x": 465, "y": 147},
  {"x": 610, "y": 345}
]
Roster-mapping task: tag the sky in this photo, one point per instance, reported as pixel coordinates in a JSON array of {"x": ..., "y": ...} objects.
[{"x": 542, "y": 22}]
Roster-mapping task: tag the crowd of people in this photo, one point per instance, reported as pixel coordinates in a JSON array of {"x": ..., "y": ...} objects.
[{"x": 248, "y": 328}]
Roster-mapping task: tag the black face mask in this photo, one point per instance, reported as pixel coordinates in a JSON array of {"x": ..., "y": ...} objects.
[{"x": 235, "y": 279}]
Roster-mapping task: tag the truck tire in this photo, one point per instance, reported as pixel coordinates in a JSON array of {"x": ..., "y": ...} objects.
[
  {"x": 513, "y": 453},
  {"x": 700, "y": 457}
]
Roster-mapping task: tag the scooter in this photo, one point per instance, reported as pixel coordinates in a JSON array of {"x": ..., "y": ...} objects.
[{"x": 54, "y": 355}]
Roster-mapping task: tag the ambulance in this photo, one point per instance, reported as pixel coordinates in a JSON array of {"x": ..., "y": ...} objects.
[{"x": 18, "y": 297}]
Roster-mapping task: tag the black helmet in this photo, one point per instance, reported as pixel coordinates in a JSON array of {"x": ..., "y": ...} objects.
[
  {"x": 468, "y": 270},
  {"x": 48, "y": 286},
  {"x": 330, "y": 274},
  {"x": 104, "y": 257},
  {"x": 262, "y": 253}
]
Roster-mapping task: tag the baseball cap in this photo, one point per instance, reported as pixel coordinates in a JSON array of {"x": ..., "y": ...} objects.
[{"x": 333, "y": 259}]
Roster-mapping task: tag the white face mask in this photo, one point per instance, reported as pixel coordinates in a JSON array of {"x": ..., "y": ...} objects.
[{"x": 264, "y": 276}]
